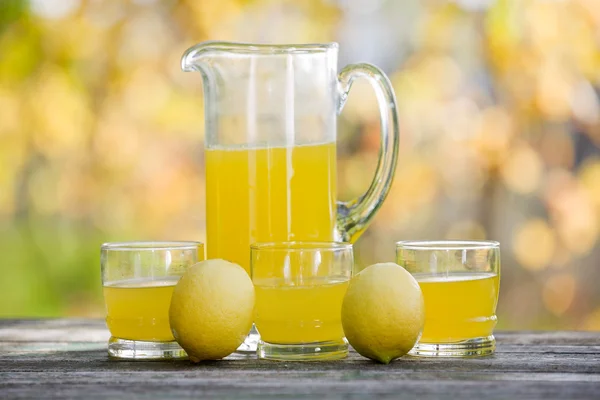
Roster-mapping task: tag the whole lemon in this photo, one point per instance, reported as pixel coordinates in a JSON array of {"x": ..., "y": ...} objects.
[
  {"x": 212, "y": 309},
  {"x": 383, "y": 312}
]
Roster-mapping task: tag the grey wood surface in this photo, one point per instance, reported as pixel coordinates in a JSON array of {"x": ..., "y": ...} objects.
[{"x": 67, "y": 359}]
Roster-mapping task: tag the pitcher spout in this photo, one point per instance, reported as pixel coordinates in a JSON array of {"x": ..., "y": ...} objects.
[{"x": 196, "y": 56}]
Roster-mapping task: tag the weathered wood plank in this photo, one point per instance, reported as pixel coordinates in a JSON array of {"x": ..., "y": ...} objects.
[
  {"x": 305, "y": 389},
  {"x": 73, "y": 361},
  {"x": 67, "y": 359}
]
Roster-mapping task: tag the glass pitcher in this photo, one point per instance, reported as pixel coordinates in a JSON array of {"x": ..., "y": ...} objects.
[{"x": 271, "y": 114}]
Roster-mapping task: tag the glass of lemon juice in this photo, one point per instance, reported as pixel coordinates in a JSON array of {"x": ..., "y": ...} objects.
[
  {"x": 460, "y": 281},
  {"x": 138, "y": 280},
  {"x": 299, "y": 290}
]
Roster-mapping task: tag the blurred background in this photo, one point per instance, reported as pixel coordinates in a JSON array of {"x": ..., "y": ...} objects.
[{"x": 101, "y": 136}]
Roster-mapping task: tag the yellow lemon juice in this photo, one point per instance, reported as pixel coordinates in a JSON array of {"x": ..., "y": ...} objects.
[
  {"x": 268, "y": 194},
  {"x": 458, "y": 306},
  {"x": 299, "y": 313},
  {"x": 138, "y": 309}
]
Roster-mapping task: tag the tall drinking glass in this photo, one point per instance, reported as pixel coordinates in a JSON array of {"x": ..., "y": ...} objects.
[
  {"x": 138, "y": 279},
  {"x": 460, "y": 281},
  {"x": 299, "y": 289}
]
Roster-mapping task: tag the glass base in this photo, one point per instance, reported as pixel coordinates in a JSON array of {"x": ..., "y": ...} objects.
[
  {"x": 481, "y": 346},
  {"x": 250, "y": 343},
  {"x": 318, "y": 351},
  {"x": 142, "y": 350}
]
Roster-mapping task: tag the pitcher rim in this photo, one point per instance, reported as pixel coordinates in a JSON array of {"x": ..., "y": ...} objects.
[{"x": 267, "y": 48}]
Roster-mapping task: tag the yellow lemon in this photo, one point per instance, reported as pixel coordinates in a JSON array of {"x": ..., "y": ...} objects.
[
  {"x": 383, "y": 312},
  {"x": 212, "y": 309}
]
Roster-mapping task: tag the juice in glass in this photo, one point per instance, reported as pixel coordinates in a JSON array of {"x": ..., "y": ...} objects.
[
  {"x": 299, "y": 290},
  {"x": 138, "y": 309},
  {"x": 306, "y": 313},
  {"x": 459, "y": 306},
  {"x": 460, "y": 281},
  {"x": 138, "y": 279},
  {"x": 268, "y": 194}
]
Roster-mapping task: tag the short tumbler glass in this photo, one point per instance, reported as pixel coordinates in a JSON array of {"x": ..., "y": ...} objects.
[
  {"x": 460, "y": 281},
  {"x": 138, "y": 280},
  {"x": 299, "y": 290}
]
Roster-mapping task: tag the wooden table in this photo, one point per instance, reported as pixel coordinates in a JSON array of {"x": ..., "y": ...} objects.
[{"x": 67, "y": 358}]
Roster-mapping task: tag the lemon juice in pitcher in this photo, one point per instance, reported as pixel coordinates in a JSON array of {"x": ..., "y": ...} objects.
[{"x": 268, "y": 194}]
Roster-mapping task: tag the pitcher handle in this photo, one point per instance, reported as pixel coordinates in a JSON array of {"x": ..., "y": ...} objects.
[{"x": 354, "y": 216}]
